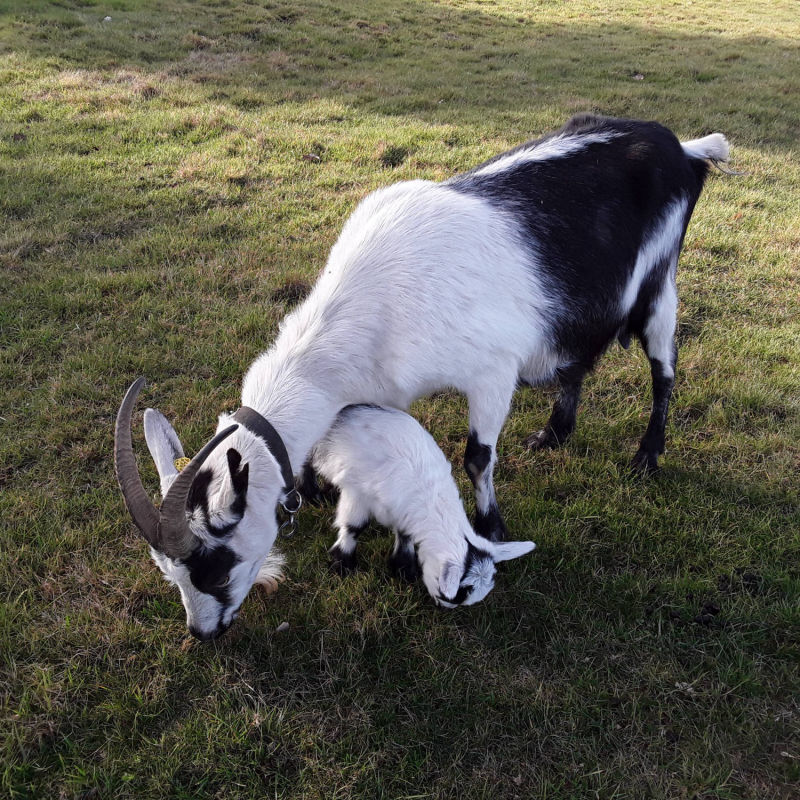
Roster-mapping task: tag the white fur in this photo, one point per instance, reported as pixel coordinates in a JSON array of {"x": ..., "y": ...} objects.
[
  {"x": 554, "y": 147},
  {"x": 714, "y": 147},
  {"x": 662, "y": 242},
  {"x": 660, "y": 328},
  {"x": 388, "y": 467}
]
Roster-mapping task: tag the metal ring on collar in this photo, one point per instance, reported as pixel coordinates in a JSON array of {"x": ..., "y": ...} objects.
[{"x": 286, "y": 505}]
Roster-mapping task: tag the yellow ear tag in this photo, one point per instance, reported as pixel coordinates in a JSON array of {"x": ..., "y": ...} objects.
[{"x": 181, "y": 463}]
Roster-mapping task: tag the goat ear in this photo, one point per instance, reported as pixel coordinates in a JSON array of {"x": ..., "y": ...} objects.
[
  {"x": 505, "y": 551},
  {"x": 164, "y": 446},
  {"x": 450, "y": 579},
  {"x": 239, "y": 477}
]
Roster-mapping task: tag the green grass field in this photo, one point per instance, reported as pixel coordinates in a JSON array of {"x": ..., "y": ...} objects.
[{"x": 158, "y": 192}]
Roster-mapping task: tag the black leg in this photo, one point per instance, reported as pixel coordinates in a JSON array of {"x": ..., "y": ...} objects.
[
  {"x": 343, "y": 553},
  {"x": 312, "y": 493},
  {"x": 562, "y": 419},
  {"x": 652, "y": 444},
  {"x": 403, "y": 558}
]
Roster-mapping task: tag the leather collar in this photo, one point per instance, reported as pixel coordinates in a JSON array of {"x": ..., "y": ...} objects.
[{"x": 260, "y": 427}]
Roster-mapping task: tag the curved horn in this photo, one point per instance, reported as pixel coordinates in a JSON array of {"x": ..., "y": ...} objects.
[
  {"x": 175, "y": 537},
  {"x": 137, "y": 501}
]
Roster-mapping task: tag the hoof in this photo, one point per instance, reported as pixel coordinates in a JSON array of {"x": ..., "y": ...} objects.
[
  {"x": 342, "y": 563},
  {"x": 645, "y": 462},
  {"x": 544, "y": 439},
  {"x": 491, "y": 525}
]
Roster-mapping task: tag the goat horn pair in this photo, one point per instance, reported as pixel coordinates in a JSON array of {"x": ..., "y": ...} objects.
[{"x": 165, "y": 529}]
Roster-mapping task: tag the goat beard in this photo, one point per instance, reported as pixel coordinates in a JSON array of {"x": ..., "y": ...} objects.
[{"x": 270, "y": 574}]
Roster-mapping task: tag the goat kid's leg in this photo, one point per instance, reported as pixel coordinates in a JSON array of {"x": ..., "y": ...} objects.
[
  {"x": 658, "y": 338},
  {"x": 562, "y": 419},
  {"x": 487, "y": 413},
  {"x": 351, "y": 520},
  {"x": 403, "y": 561},
  {"x": 308, "y": 486}
]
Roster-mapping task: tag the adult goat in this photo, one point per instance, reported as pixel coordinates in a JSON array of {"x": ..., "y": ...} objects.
[{"x": 524, "y": 269}]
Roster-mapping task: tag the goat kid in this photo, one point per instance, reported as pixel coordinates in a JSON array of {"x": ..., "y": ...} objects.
[
  {"x": 524, "y": 269},
  {"x": 388, "y": 467}
]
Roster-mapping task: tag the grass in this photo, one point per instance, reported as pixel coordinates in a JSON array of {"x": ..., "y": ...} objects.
[{"x": 168, "y": 178}]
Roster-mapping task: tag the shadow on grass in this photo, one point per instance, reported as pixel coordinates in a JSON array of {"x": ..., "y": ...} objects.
[{"x": 428, "y": 61}]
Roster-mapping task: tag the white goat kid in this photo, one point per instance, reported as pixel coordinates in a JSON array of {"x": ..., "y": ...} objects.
[
  {"x": 523, "y": 270},
  {"x": 386, "y": 466}
]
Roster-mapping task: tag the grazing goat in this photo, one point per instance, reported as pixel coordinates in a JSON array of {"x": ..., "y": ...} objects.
[
  {"x": 387, "y": 466},
  {"x": 524, "y": 269}
]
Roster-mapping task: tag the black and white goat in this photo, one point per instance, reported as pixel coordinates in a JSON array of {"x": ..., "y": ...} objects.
[
  {"x": 524, "y": 269},
  {"x": 388, "y": 467}
]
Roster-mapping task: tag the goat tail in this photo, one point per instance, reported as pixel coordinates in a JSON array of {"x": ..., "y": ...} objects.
[{"x": 713, "y": 148}]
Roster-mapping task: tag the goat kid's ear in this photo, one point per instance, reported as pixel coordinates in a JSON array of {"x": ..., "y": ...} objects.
[
  {"x": 505, "y": 551},
  {"x": 164, "y": 445},
  {"x": 239, "y": 477},
  {"x": 450, "y": 579}
]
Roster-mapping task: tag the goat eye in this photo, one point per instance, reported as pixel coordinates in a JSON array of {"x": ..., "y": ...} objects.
[{"x": 225, "y": 581}]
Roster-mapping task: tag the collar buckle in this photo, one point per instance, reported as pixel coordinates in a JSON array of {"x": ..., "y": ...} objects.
[{"x": 288, "y": 527}]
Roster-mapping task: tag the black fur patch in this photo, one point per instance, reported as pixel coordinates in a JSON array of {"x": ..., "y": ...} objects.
[
  {"x": 562, "y": 419},
  {"x": 341, "y": 562},
  {"x": 490, "y": 525},
  {"x": 584, "y": 215},
  {"x": 476, "y": 457},
  {"x": 652, "y": 443},
  {"x": 239, "y": 480},
  {"x": 473, "y": 554},
  {"x": 209, "y": 569},
  {"x": 459, "y": 597},
  {"x": 198, "y": 494},
  {"x": 403, "y": 560},
  {"x": 313, "y": 491},
  {"x": 198, "y": 491}
]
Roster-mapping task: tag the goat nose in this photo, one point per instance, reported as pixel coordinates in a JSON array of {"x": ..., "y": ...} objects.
[{"x": 203, "y": 636}]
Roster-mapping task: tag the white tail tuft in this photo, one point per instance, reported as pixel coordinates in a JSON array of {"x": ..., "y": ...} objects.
[{"x": 714, "y": 148}]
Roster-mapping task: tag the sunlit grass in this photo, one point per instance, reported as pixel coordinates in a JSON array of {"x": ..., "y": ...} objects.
[{"x": 162, "y": 174}]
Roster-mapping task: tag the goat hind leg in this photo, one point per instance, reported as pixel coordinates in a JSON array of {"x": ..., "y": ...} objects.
[{"x": 658, "y": 338}]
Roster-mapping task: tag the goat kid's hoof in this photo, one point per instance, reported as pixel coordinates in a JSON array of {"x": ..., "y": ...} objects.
[
  {"x": 405, "y": 567},
  {"x": 341, "y": 563}
]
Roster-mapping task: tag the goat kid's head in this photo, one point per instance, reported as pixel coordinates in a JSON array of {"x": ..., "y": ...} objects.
[
  {"x": 468, "y": 582},
  {"x": 215, "y": 528}
]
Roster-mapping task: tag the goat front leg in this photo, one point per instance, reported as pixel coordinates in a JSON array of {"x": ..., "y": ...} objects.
[
  {"x": 487, "y": 413},
  {"x": 403, "y": 559},
  {"x": 307, "y": 483},
  {"x": 562, "y": 419},
  {"x": 352, "y": 518}
]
